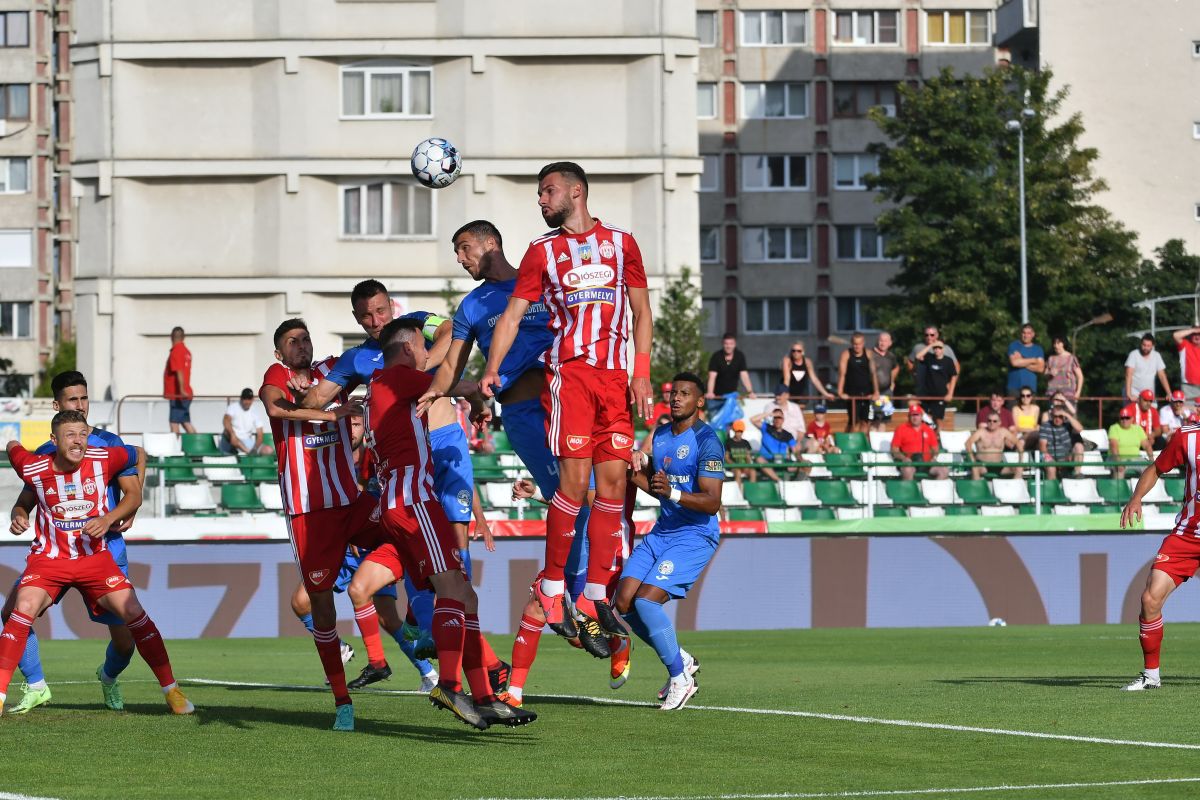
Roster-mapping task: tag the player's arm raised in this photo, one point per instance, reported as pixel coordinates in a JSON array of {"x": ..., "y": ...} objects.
[
  {"x": 279, "y": 407},
  {"x": 643, "y": 339},
  {"x": 457, "y": 356},
  {"x": 503, "y": 337}
]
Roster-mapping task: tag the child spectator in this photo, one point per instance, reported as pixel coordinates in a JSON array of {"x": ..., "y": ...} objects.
[
  {"x": 738, "y": 451},
  {"x": 818, "y": 436}
]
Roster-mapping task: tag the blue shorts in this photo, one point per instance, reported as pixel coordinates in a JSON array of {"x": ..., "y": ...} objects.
[
  {"x": 672, "y": 562},
  {"x": 453, "y": 476},
  {"x": 180, "y": 410},
  {"x": 346, "y": 574}
]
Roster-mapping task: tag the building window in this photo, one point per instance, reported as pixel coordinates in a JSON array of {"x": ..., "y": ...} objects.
[
  {"x": 713, "y": 317},
  {"x": 706, "y": 28},
  {"x": 710, "y": 178},
  {"x": 774, "y": 100},
  {"x": 14, "y": 101},
  {"x": 958, "y": 27},
  {"x": 1196, "y": 211},
  {"x": 15, "y": 320},
  {"x": 866, "y": 28},
  {"x": 14, "y": 29},
  {"x": 854, "y": 314},
  {"x": 706, "y": 101},
  {"x": 850, "y": 171},
  {"x": 1196, "y": 49},
  {"x": 16, "y": 248},
  {"x": 710, "y": 244},
  {"x": 386, "y": 210},
  {"x": 14, "y": 175},
  {"x": 856, "y": 99},
  {"x": 776, "y": 315},
  {"x": 386, "y": 91},
  {"x": 1196, "y": 130},
  {"x": 761, "y": 28},
  {"x": 762, "y": 173},
  {"x": 760, "y": 245},
  {"x": 860, "y": 243}
]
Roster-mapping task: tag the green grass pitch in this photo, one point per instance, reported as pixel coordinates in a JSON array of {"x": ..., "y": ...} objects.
[{"x": 249, "y": 742}]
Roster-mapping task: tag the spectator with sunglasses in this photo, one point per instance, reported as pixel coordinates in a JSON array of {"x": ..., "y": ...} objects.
[
  {"x": 1126, "y": 441},
  {"x": 986, "y": 445},
  {"x": 1027, "y": 415},
  {"x": 1059, "y": 439},
  {"x": 800, "y": 376},
  {"x": 917, "y": 366},
  {"x": 1173, "y": 415}
]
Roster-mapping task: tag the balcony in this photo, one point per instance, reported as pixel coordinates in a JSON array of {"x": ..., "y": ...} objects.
[{"x": 1016, "y": 24}]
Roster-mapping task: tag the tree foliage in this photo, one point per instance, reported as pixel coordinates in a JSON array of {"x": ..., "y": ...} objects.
[
  {"x": 678, "y": 328},
  {"x": 64, "y": 360}
]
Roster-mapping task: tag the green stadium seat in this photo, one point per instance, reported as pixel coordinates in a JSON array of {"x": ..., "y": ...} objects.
[
  {"x": 269, "y": 438},
  {"x": 179, "y": 473},
  {"x": 811, "y": 514},
  {"x": 500, "y": 440},
  {"x": 745, "y": 514},
  {"x": 200, "y": 444},
  {"x": 486, "y": 467},
  {"x": 532, "y": 512},
  {"x": 1175, "y": 488},
  {"x": 256, "y": 461},
  {"x": 832, "y": 493},
  {"x": 1052, "y": 493},
  {"x": 890, "y": 511},
  {"x": 854, "y": 442},
  {"x": 1113, "y": 490},
  {"x": 844, "y": 465},
  {"x": 975, "y": 493},
  {"x": 961, "y": 511},
  {"x": 1026, "y": 509},
  {"x": 762, "y": 494},
  {"x": 259, "y": 474},
  {"x": 905, "y": 493},
  {"x": 1104, "y": 509},
  {"x": 240, "y": 497}
]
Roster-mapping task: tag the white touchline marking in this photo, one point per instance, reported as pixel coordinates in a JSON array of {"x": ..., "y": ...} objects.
[
  {"x": 11, "y": 796},
  {"x": 902, "y": 723}
]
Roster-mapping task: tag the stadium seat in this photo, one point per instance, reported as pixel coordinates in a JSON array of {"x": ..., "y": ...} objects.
[
  {"x": 905, "y": 493},
  {"x": 975, "y": 492},
  {"x": 1070, "y": 509},
  {"x": 1175, "y": 488},
  {"x": 1081, "y": 491},
  {"x": 998, "y": 511},
  {"x": 1105, "y": 509},
  {"x": 881, "y": 441},
  {"x": 1098, "y": 437},
  {"x": 1029, "y": 509},
  {"x": 511, "y": 466},
  {"x": 860, "y": 490},
  {"x": 161, "y": 445},
  {"x": 486, "y": 467},
  {"x": 240, "y": 497},
  {"x": 221, "y": 469},
  {"x": 962, "y": 511},
  {"x": 178, "y": 469},
  {"x": 853, "y": 442},
  {"x": 498, "y": 495},
  {"x": 745, "y": 515},
  {"x": 271, "y": 496},
  {"x": 731, "y": 495},
  {"x": 939, "y": 492},
  {"x": 762, "y": 494},
  {"x": 818, "y": 470},
  {"x": 812, "y": 514},
  {"x": 1052, "y": 492},
  {"x": 928, "y": 511},
  {"x": 500, "y": 440},
  {"x": 1157, "y": 494},
  {"x": 269, "y": 439},
  {"x": 889, "y": 511},
  {"x": 530, "y": 511},
  {"x": 1011, "y": 491},
  {"x": 645, "y": 515},
  {"x": 200, "y": 444},
  {"x": 833, "y": 493},
  {"x": 193, "y": 497},
  {"x": 844, "y": 465},
  {"x": 1115, "y": 491},
  {"x": 886, "y": 469},
  {"x": 800, "y": 493},
  {"x": 1091, "y": 464},
  {"x": 851, "y": 513},
  {"x": 782, "y": 515},
  {"x": 645, "y": 500},
  {"x": 954, "y": 441}
]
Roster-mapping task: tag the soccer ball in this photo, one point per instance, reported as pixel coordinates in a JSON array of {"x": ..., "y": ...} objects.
[
  {"x": 435, "y": 163},
  {"x": 997, "y": 622}
]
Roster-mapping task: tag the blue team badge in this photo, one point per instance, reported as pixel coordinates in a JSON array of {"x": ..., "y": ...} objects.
[
  {"x": 666, "y": 567},
  {"x": 464, "y": 498},
  {"x": 585, "y": 252},
  {"x": 683, "y": 451}
]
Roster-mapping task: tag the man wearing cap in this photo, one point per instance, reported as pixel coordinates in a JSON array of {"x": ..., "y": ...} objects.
[
  {"x": 913, "y": 442},
  {"x": 1142, "y": 366},
  {"x": 793, "y": 417},
  {"x": 1126, "y": 441},
  {"x": 778, "y": 444},
  {"x": 1145, "y": 415},
  {"x": 739, "y": 451},
  {"x": 1173, "y": 415},
  {"x": 663, "y": 407},
  {"x": 941, "y": 376},
  {"x": 243, "y": 430}
]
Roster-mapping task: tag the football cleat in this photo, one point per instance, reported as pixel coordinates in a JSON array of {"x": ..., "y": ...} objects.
[
  {"x": 510, "y": 698},
  {"x": 458, "y": 704},
  {"x": 690, "y": 667},
  {"x": 113, "y": 698},
  {"x": 498, "y": 711},
  {"x": 1143, "y": 682},
  {"x": 410, "y": 632},
  {"x": 344, "y": 721},
  {"x": 556, "y": 617},
  {"x": 591, "y": 638},
  {"x": 31, "y": 699},
  {"x": 347, "y": 653},
  {"x": 178, "y": 703},
  {"x": 370, "y": 674},
  {"x": 428, "y": 682},
  {"x": 609, "y": 622},
  {"x": 619, "y": 665},
  {"x": 678, "y": 693},
  {"x": 425, "y": 649},
  {"x": 499, "y": 676}
]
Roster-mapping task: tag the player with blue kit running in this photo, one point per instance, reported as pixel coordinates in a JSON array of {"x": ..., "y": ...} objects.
[
  {"x": 689, "y": 469},
  {"x": 71, "y": 394}
]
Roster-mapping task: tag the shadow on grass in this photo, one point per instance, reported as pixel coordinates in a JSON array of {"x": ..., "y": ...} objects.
[{"x": 1106, "y": 682}]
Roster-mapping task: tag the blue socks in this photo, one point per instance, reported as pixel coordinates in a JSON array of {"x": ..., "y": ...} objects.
[
  {"x": 466, "y": 559},
  {"x": 658, "y": 632},
  {"x": 307, "y": 622},
  {"x": 421, "y": 603},
  {"x": 31, "y": 660},
  {"x": 115, "y": 662},
  {"x": 577, "y": 559},
  {"x": 410, "y": 649}
]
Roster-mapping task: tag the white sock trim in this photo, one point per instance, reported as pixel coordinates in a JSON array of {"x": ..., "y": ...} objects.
[
  {"x": 1152, "y": 673},
  {"x": 553, "y": 588},
  {"x": 516, "y": 691},
  {"x": 37, "y": 686},
  {"x": 595, "y": 591},
  {"x": 168, "y": 688}
]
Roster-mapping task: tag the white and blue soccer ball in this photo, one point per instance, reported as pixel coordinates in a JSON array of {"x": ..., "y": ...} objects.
[
  {"x": 436, "y": 163},
  {"x": 997, "y": 622}
]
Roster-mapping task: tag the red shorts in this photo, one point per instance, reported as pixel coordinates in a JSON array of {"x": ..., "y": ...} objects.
[
  {"x": 424, "y": 539},
  {"x": 319, "y": 539},
  {"x": 1178, "y": 556},
  {"x": 587, "y": 412},
  {"x": 94, "y": 576}
]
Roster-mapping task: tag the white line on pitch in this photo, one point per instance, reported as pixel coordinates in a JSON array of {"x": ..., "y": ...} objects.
[
  {"x": 902, "y": 723},
  {"x": 11, "y": 796}
]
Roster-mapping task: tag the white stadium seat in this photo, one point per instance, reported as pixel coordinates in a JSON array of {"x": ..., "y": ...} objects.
[
  {"x": 851, "y": 513},
  {"x": 881, "y": 441},
  {"x": 1070, "y": 509},
  {"x": 731, "y": 495},
  {"x": 161, "y": 445},
  {"x": 220, "y": 469},
  {"x": 859, "y": 490},
  {"x": 782, "y": 514},
  {"x": 498, "y": 495},
  {"x": 926, "y": 511},
  {"x": 954, "y": 441},
  {"x": 1011, "y": 490},
  {"x": 1097, "y": 436},
  {"x": 939, "y": 492},
  {"x": 800, "y": 493},
  {"x": 193, "y": 497},
  {"x": 997, "y": 511},
  {"x": 1091, "y": 466},
  {"x": 887, "y": 471},
  {"x": 271, "y": 496},
  {"x": 819, "y": 469},
  {"x": 1081, "y": 491},
  {"x": 1158, "y": 494},
  {"x": 645, "y": 515}
]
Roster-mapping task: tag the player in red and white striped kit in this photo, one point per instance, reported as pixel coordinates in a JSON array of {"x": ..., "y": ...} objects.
[
  {"x": 325, "y": 509},
  {"x": 591, "y": 277},
  {"x": 1178, "y": 556},
  {"x": 69, "y": 549}
]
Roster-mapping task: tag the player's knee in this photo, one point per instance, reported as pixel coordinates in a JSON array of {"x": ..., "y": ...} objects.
[
  {"x": 359, "y": 593},
  {"x": 1151, "y": 603},
  {"x": 27, "y": 606}
]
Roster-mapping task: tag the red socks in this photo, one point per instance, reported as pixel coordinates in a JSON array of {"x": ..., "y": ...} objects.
[
  {"x": 473, "y": 663},
  {"x": 605, "y": 537},
  {"x": 12, "y": 645},
  {"x": 151, "y": 648},
  {"x": 1151, "y": 635},
  {"x": 449, "y": 636},
  {"x": 329, "y": 648},
  {"x": 524, "y": 650},
  {"x": 368, "y": 626},
  {"x": 490, "y": 659},
  {"x": 560, "y": 529}
]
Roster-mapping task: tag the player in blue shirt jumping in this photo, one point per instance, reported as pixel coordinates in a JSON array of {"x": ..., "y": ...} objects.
[
  {"x": 688, "y": 470},
  {"x": 71, "y": 393}
]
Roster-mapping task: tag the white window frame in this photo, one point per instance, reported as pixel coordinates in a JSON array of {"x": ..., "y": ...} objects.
[
  {"x": 765, "y": 257},
  {"x": 715, "y": 182},
  {"x": 787, "y": 109},
  {"x": 716, "y": 100},
  {"x": 762, "y": 26},
  {"x": 6, "y": 176},
  {"x": 714, "y": 316},
  {"x": 858, "y": 239},
  {"x": 856, "y": 41},
  {"x": 4, "y": 27},
  {"x": 860, "y": 323},
  {"x": 787, "y": 173},
  {"x": 15, "y": 316},
  {"x": 946, "y": 27},
  {"x": 28, "y": 235},
  {"x": 414, "y": 188},
  {"x": 1196, "y": 48},
  {"x": 787, "y": 312},
  {"x": 860, "y": 162},
  {"x": 1196, "y": 130},
  {"x": 369, "y": 68},
  {"x": 716, "y": 37},
  {"x": 1196, "y": 211},
  {"x": 716, "y": 231}
]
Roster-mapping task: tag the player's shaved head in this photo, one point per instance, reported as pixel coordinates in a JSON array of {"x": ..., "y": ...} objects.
[
  {"x": 295, "y": 323},
  {"x": 365, "y": 290},
  {"x": 571, "y": 172},
  {"x": 481, "y": 229}
]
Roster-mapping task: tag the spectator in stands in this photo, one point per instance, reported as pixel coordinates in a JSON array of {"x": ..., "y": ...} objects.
[
  {"x": 915, "y": 442},
  {"x": 996, "y": 405},
  {"x": 738, "y": 451},
  {"x": 887, "y": 363},
  {"x": 1145, "y": 416},
  {"x": 663, "y": 406},
  {"x": 857, "y": 383},
  {"x": 726, "y": 369},
  {"x": 1059, "y": 440},
  {"x": 1187, "y": 341},
  {"x": 479, "y": 437},
  {"x": 940, "y": 379},
  {"x": 177, "y": 383},
  {"x": 918, "y": 352},
  {"x": 778, "y": 446},
  {"x": 1063, "y": 371},
  {"x": 243, "y": 429},
  {"x": 1142, "y": 366},
  {"x": 798, "y": 372},
  {"x": 1126, "y": 441},
  {"x": 1026, "y": 360},
  {"x": 1173, "y": 415},
  {"x": 793, "y": 417},
  {"x": 1027, "y": 415},
  {"x": 818, "y": 436},
  {"x": 986, "y": 445}
]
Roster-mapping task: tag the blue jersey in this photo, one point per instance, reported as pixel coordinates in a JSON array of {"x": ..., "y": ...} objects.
[
  {"x": 100, "y": 438},
  {"x": 772, "y": 443},
  {"x": 357, "y": 365},
  {"x": 476, "y": 319},
  {"x": 694, "y": 454}
]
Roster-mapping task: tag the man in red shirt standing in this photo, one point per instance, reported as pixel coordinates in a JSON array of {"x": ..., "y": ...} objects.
[
  {"x": 591, "y": 277},
  {"x": 915, "y": 441},
  {"x": 1187, "y": 341},
  {"x": 177, "y": 383}
]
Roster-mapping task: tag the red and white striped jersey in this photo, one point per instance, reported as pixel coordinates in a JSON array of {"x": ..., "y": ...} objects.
[
  {"x": 316, "y": 463},
  {"x": 1183, "y": 449},
  {"x": 583, "y": 279},
  {"x": 399, "y": 436},
  {"x": 67, "y": 500}
]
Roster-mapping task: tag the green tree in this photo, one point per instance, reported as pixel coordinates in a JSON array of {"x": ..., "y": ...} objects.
[
  {"x": 677, "y": 331},
  {"x": 64, "y": 360},
  {"x": 950, "y": 173}
]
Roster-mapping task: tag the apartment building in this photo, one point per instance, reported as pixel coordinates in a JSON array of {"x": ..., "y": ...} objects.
[
  {"x": 240, "y": 163},
  {"x": 788, "y": 240}
]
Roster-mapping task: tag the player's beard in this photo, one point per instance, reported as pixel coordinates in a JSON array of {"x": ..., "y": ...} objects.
[{"x": 556, "y": 217}]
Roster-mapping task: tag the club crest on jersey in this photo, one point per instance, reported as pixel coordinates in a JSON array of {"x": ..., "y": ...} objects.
[
  {"x": 621, "y": 441},
  {"x": 113, "y": 581},
  {"x": 89, "y": 486},
  {"x": 683, "y": 451},
  {"x": 72, "y": 509},
  {"x": 585, "y": 252},
  {"x": 576, "y": 442},
  {"x": 464, "y": 498},
  {"x": 607, "y": 250},
  {"x": 318, "y": 575},
  {"x": 317, "y": 441}
]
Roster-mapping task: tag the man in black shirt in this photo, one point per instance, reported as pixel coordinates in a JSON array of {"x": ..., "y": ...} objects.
[
  {"x": 940, "y": 377},
  {"x": 725, "y": 369}
]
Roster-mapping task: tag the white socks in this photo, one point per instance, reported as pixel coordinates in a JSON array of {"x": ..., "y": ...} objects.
[{"x": 553, "y": 588}]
